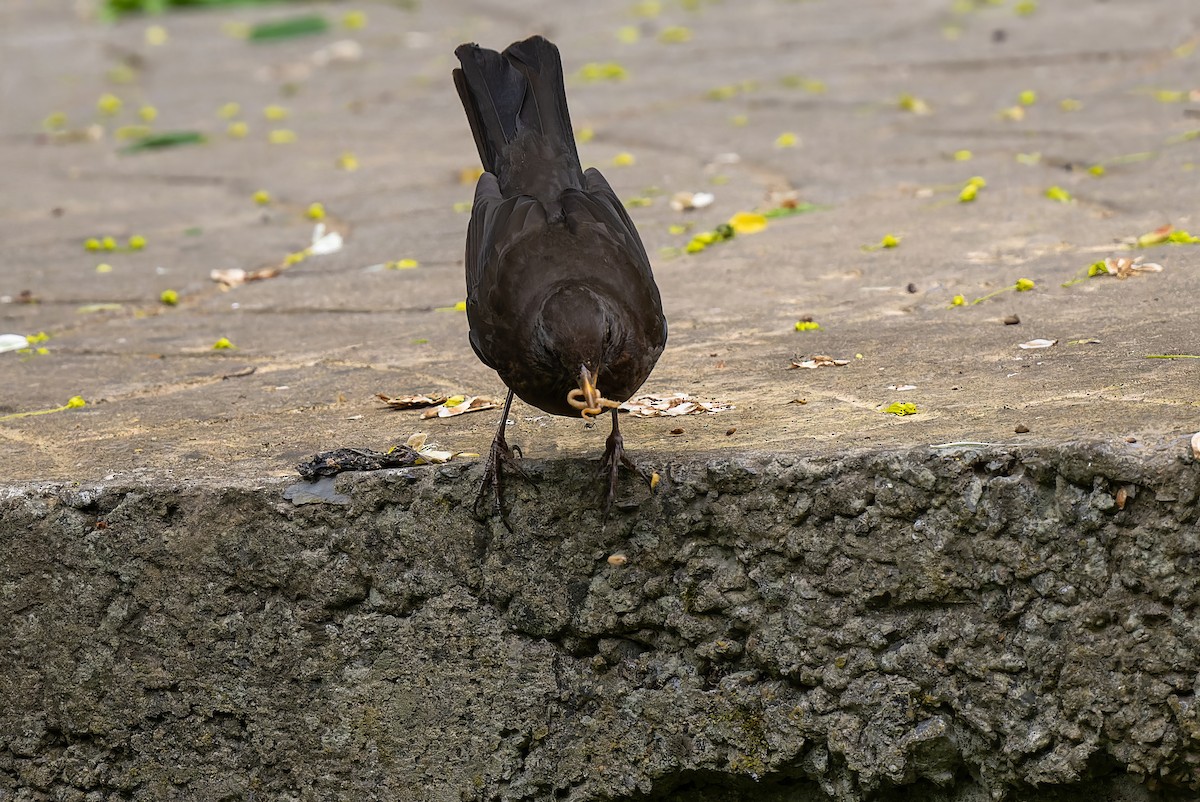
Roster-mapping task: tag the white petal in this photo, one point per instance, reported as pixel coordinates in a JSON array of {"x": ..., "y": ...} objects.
[
  {"x": 230, "y": 277},
  {"x": 324, "y": 244},
  {"x": 12, "y": 342},
  {"x": 1039, "y": 343}
]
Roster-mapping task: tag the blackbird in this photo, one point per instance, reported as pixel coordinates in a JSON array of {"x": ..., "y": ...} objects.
[{"x": 561, "y": 300}]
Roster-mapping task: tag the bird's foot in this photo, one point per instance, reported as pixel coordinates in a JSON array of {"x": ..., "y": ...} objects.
[
  {"x": 500, "y": 458},
  {"x": 610, "y": 465}
]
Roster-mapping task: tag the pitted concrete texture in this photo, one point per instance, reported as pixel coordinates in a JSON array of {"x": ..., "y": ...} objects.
[
  {"x": 960, "y": 625},
  {"x": 821, "y": 601}
]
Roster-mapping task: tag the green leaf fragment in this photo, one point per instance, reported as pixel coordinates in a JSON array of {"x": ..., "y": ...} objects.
[
  {"x": 289, "y": 28},
  {"x": 788, "y": 211},
  {"x": 1186, "y": 136},
  {"x": 74, "y": 402},
  {"x": 111, "y": 9},
  {"x": 167, "y": 139}
]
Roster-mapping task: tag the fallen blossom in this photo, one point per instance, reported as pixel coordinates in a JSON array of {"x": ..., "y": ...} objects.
[
  {"x": 686, "y": 201},
  {"x": 1122, "y": 268},
  {"x": 653, "y": 406},
  {"x": 818, "y": 361},
  {"x": 324, "y": 244}
]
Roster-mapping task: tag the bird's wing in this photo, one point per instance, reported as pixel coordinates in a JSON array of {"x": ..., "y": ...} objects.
[
  {"x": 498, "y": 224},
  {"x": 612, "y": 212},
  {"x": 488, "y": 201}
]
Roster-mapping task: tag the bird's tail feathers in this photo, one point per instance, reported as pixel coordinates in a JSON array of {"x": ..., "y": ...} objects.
[
  {"x": 506, "y": 93},
  {"x": 491, "y": 91}
]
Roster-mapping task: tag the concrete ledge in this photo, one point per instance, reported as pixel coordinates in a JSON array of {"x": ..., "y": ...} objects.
[{"x": 957, "y": 623}]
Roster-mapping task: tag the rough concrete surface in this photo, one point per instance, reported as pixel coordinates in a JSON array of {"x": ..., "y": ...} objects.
[
  {"x": 954, "y": 624},
  {"x": 994, "y": 597}
]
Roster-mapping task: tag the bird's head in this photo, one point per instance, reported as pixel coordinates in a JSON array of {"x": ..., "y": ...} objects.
[{"x": 581, "y": 335}]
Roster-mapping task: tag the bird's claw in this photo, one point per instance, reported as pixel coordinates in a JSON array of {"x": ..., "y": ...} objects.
[
  {"x": 500, "y": 458},
  {"x": 610, "y": 465}
]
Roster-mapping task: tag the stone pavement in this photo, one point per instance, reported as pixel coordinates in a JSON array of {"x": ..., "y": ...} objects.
[{"x": 316, "y": 343}]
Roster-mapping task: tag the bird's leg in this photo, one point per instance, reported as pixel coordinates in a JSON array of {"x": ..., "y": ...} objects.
[
  {"x": 499, "y": 457},
  {"x": 614, "y": 458}
]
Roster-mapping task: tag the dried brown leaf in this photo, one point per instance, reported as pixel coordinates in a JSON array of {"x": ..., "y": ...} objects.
[
  {"x": 411, "y": 401},
  {"x": 450, "y": 410},
  {"x": 818, "y": 361}
]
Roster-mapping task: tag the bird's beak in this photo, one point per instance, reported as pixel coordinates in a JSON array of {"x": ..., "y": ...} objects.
[{"x": 587, "y": 385}]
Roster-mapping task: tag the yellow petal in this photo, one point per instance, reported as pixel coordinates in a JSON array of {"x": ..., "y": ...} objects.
[
  {"x": 108, "y": 104},
  {"x": 747, "y": 223},
  {"x": 675, "y": 35},
  {"x": 787, "y": 140},
  {"x": 156, "y": 35}
]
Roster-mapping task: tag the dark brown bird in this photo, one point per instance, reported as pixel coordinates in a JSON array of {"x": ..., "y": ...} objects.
[{"x": 560, "y": 296}]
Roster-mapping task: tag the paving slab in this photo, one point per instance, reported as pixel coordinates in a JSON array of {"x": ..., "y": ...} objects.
[{"x": 327, "y": 334}]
